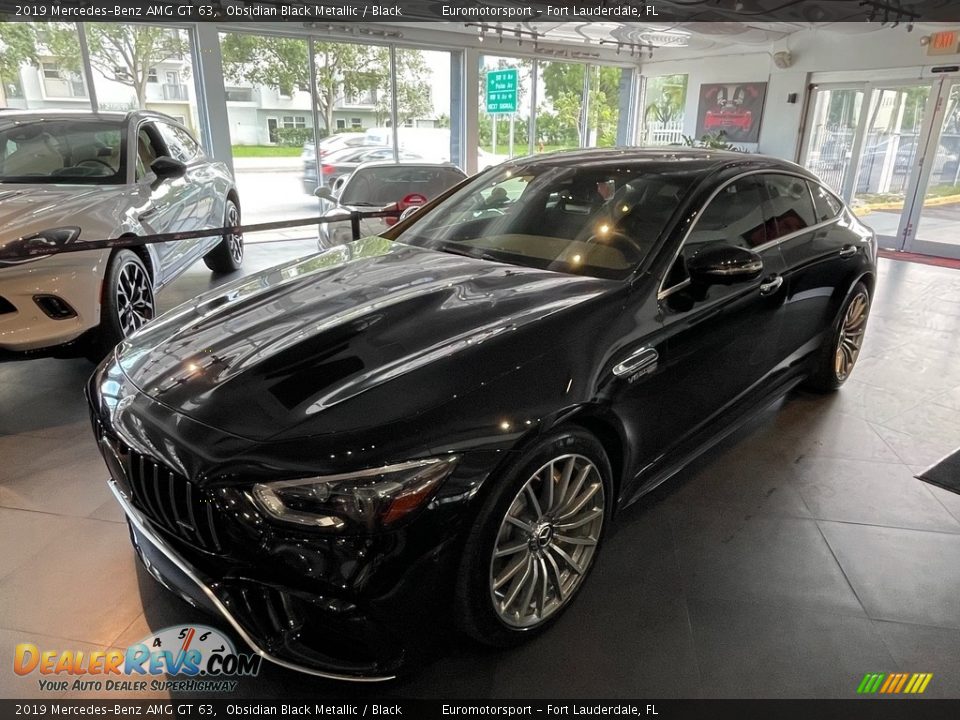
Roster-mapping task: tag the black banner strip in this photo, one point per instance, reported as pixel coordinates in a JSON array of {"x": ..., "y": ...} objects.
[
  {"x": 508, "y": 12},
  {"x": 381, "y": 708}
]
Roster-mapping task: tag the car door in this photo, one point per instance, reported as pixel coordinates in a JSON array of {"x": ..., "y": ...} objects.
[
  {"x": 719, "y": 341},
  {"x": 819, "y": 253},
  {"x": 193, "y": 203},
  {"x": 157, "y": 210}
]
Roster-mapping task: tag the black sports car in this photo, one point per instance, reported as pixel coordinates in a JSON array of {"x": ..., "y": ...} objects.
[{"x": 332, "y": 452}]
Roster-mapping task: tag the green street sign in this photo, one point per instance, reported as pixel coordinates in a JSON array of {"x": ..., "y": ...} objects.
[{"x": 502, "y": 86}]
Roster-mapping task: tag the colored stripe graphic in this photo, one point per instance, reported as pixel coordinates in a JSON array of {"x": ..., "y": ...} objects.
[{"x": 894, "y": 683}]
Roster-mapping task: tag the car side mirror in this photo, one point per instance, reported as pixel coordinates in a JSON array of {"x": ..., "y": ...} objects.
[
  {"x": 324, "y": 193},
  {"x": 724, "y": 265},
  {"x": 167, "y": 167}
]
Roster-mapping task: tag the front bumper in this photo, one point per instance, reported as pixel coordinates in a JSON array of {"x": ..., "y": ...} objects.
[
  {"x": 234, "y": 604},
  {"x": 75, "y": 278}
]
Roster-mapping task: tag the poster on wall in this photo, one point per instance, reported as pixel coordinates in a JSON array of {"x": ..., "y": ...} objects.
[{"x": 732, "y": 108}]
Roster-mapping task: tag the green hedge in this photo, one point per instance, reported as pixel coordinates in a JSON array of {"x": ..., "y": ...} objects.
[{"x": 294, "y": 137}]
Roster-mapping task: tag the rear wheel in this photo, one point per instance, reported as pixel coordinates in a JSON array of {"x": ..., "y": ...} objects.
[
  {"x": 227, "y": 256},
  {"x": 128, "y": 303},
  {"x": 840, "y": 352},
  {"x": 535, "y": 540}
]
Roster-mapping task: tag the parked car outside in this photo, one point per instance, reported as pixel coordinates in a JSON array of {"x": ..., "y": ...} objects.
[
  {"x": 91, "y": 176},
  {"x": 343, "y": 162},
  {"x": 353, "y": 452},
  {"x": 379, "y": 185}
]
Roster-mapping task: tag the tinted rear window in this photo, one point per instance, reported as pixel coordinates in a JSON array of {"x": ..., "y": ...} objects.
[{"x": 384, "y": 184}]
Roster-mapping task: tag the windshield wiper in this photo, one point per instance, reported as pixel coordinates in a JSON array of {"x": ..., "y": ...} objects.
[{"x": 475, "y": 254}]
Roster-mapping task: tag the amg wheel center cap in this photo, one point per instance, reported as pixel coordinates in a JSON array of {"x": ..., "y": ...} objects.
[{"x": 542, "y": 535}]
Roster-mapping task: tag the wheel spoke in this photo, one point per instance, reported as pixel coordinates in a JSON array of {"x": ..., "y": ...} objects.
[
  {"x": 517, "y": 522},
  {"x": 517, "y": 585},
  {"x": 581, "y": 521},
  {"x": 589, "y": 542},
  {"x": 511, "y": 570},
  {"x": 511, "y": 549},
  {"x": 567, "y": 559},
  {"x": 581, "y": 479},
  {"x": 528, "y": 488},
  {"x": 545, "y": 587},
  {"x": 531, "y": 583},
  {"x": 547, "y": 490},
  {"x": 577, "y": 504},
  {"x": 565, "y": 478}
]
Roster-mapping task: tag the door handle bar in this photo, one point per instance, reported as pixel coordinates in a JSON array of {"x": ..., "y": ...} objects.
[
  {"x": 771, "y": 286},
  {"x": 644, "y": 359}
]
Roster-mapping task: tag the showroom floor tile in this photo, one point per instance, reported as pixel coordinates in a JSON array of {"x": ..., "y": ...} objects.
[{"x": 793, "y": 558}]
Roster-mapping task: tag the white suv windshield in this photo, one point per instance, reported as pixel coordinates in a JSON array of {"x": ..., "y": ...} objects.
[{"x": 62, "y": 151}]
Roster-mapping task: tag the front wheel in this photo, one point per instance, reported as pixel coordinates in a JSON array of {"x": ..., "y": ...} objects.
[
  {"x": 128, "y": 303},
  {"x": 227, "y": 256},
  {"x": 840, "y": 351},
  {"x": 535, "y": 540}
]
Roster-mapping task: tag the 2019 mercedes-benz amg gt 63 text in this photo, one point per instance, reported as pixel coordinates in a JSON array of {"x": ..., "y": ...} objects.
[{"x": 442, "y": 421}]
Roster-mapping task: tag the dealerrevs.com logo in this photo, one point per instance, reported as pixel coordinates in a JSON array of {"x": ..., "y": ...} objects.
[{"x": 192, "y": 658}]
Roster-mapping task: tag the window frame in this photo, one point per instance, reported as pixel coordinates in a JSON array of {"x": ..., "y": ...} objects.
[{"x": 664, "y": 291}]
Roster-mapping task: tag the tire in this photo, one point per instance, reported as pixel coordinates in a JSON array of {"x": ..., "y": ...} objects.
[
  {"x": 128, "y": 303},
  {"x": 227, "y": 256},
  {"x": 499, "y": 607},
  {"x": 838, "y": 354}
]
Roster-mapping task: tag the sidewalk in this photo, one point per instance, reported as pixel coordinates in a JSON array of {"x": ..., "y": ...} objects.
[{"x": 267, "y": 164}]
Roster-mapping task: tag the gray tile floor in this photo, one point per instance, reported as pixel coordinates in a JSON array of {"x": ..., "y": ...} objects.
[{"x": 788, "y": 562}]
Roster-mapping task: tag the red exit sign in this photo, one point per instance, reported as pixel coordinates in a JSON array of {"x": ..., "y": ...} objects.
[{"x": 944, "y": 43}]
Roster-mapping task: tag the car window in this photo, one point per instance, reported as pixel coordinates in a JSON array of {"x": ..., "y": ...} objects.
[
  {"x": 148, "y": 149},
  {"x": 180, "y": 145},
  {"x": 62, "y": 151},
  {"x": 385, "y": 184},
  {"x": 789, "y": 205},
  {"x": 826, "y": 204},
  {"x": 597, "y": 221},
  {"x": 735, "y": 216}
]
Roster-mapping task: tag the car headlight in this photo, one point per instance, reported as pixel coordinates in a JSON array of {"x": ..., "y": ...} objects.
[
  {"x": 37, "y": 246},
  {"x": 367, "y": 500}
]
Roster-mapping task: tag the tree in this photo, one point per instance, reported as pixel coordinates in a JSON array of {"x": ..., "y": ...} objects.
[
  {"x": 123, "y": 53},
  {"x": 413, "y": 95},
  {"x": 343, "y": 70},
  {"x": 18, "y": 45},
  {"x": 563, "y": 89},
  {"x": 667, "y": 95}
]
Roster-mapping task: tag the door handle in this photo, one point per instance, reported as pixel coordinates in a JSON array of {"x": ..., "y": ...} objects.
[
  {"x": 643, "y": 360},
  {"x": 848, "y": 251},
  {"x": 772, "y": 285},
  {"x": 147, "y": 215}
]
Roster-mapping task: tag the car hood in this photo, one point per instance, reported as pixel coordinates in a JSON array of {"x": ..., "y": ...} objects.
[
  {"x": 27, "y": 209},
  {"x": 357, "y": 337}
]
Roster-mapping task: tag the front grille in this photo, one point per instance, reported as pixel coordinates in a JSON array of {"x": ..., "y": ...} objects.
[
  {"x": 172, "y": 501},
  {"x": 166, "y": 497}
]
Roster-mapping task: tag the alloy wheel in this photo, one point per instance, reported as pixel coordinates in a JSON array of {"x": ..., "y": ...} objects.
[
  {"x": 851, "y": 335},
  {"x": 547, "y": 541},
  {"x": 134, "y": 296},
  {"x": 234, "y": 240}
]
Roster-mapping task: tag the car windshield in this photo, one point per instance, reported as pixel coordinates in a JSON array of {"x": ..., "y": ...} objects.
[
  {"x": 384, "y": 184},
  {"x": 87, "y": 152},
  {"x": 597, "y": 221}
]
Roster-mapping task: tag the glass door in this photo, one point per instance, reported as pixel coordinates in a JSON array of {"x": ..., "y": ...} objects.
[
  {"x": 865, "y": 141},
  {"x": 933, "y": 227},
  {"x": 832, "y": 125},
  {"x": 892, "y": 142}
]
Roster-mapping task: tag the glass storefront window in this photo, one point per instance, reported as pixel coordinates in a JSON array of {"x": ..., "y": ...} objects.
[
  {"x": 559, "y": 106},
  {"x": 41, "y": 67},
  {"x": 504, "y": 135},
  {"x": 664, "y": 103},
  {"x": 603, "y": 117},
  {"x": 158, "y": 76}
]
